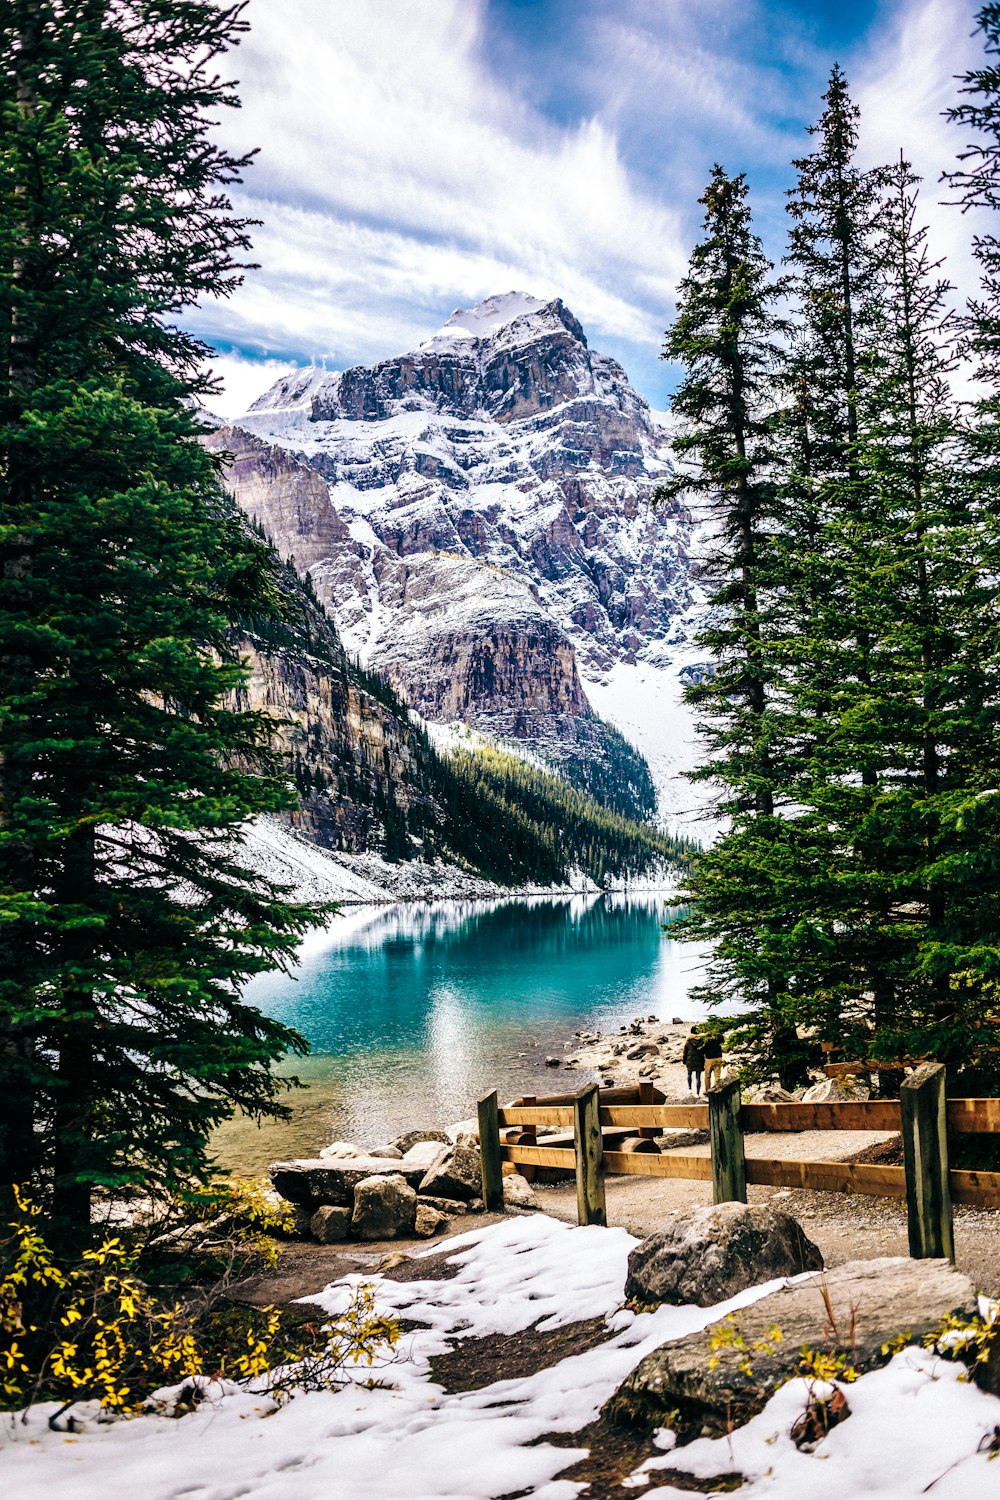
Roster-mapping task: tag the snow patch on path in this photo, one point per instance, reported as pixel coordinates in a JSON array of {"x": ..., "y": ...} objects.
[{"x": 409, "y": 1439}]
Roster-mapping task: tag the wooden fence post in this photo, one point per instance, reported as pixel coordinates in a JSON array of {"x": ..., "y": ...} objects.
[
  {"x": 489, "y": 1151},
  {"x": 646, "y": 1132},
  {"x": 590, "y": 1205},
  {"x": 729, "y": 1172},
  {"x": 925, "y": 1157}
]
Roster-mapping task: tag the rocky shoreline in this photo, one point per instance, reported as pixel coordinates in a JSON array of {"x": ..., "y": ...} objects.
[{"x": 416, "y": 1184}]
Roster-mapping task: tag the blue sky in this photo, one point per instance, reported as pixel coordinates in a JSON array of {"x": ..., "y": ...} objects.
[{"x": 417, "y": 155}]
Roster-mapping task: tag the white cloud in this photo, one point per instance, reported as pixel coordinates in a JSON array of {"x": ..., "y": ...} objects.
[
  {"x": 904, "y": 86},
  {"x": 243, "y": 380},
  {"x": 399, "y": 178},
  {"x": 402, "y": 173}
]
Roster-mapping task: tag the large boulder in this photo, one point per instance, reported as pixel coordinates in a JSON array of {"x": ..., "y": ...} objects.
[
  {"x": 446, "y": 1205},
  {"x": 518, "y": 1192},
  {"x": 723, "y": 1375},
  {"x": 383, "y": 1208},
  {"x": 423, "y": 1154},
  {"x": 410, "y": 1138},
  {"x": 330, "y": 1225},
  {"x": 709, "y": 1254},
  {"x": 769, "y": 1093},
  {"x": 457, "y": 1173},
  {"x": 339, "y": 1149},
  {"x": 315, "y": 1181},
  {"x": 836, "y": 1091}
]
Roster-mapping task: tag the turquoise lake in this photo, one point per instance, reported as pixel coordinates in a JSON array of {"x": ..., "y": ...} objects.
[{"x": 414, "y": 1011}]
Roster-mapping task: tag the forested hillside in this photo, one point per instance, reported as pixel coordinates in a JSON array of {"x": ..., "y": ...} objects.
[{"x": 567, "y": 828}]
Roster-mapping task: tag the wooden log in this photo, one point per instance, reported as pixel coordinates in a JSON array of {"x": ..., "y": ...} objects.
[
  {"x": 590, "y": 1204},
  {"x": 538, "y": 1114},
  {"x": 539, "y": 1156},
  {"x": 634, "y": 1145},
  {"x": 979, "y": 1188},
  {"x": 878, "y": 1114},
  {"x": 611, "y": 1135},
  {"x": 519, "y": 1136},
  {"x": 972, "y": 1116},
  {"x": 489, "y": 1151},
  {"x": 729, "y": 1178},
  {"x": 660, "y": 1116},
  {"x": 828, "y": 1176},
  {"x": 964, "y": 1116},
  {"x": 628, "y": 1095},
  {"x": 623, "y": 1095},
  {"x": 925, "y": 1158},
  {"x": 852, "y": 1069}
]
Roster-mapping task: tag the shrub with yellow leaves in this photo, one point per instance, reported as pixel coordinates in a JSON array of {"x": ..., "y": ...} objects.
[{"x": 96, "y": 1330}]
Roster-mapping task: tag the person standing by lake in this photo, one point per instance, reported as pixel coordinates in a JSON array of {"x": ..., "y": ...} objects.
[
  {"x": 693, "y": 1058},
  {"x": 712, "y": 1045}
]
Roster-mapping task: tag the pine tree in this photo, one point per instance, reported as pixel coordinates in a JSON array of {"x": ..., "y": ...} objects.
[
  {"x": 728, "y": 333},
  {"x": 127, "y": 761},
  {"x": 925, "y": 557},
  {"x": 819, "y": 640},
  {"x": 834, "y": 210}
]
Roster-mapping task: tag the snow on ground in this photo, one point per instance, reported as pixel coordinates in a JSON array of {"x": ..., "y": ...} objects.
[
  {"x": 317, "y": 874},
  {"x": 913, "y": 1424},
  {"x": 915, "y": 1428}
]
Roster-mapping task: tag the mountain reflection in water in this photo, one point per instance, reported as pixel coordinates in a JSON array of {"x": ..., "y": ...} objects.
[{"x": 413, "y": 1011}]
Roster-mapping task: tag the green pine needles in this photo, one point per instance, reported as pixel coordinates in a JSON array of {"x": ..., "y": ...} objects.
[
  {"x": 851, "y": 721},
  {"x": 127, "y": 921}
]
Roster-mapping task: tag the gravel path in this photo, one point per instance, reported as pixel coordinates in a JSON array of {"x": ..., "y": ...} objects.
[{"x": 845, "y": 1226}]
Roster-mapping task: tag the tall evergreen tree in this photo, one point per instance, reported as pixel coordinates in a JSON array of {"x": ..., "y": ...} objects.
[
  {"x": 926, "y": 561},
  {"x": 126, "y": 760},
  {"x": 834, "y": 209},
  {"x": 728, "y": 335},
  {"x": 910, "y": 705}
]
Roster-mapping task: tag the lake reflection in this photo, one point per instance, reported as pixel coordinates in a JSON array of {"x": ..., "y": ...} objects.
[{"x": 414, "y": 1011}]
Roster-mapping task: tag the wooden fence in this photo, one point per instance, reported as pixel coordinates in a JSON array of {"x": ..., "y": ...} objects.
[{"x": 611, "y": 1130}]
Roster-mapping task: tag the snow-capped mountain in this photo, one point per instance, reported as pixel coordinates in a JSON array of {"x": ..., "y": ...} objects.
[{"x": 477, "y": 516}]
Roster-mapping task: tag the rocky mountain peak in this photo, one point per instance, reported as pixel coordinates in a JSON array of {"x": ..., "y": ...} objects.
[
  {"x": 509, "y": 318},
  {"x": 478, "y": 515},
  {"x": 508, "y": 357}
]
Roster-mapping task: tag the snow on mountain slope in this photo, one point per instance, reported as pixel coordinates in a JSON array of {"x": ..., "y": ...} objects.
[{"x": 478, "y": 516}]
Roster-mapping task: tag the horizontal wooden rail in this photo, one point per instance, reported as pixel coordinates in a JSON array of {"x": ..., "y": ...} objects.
[
  {"x": 666, "y": 1164},
  {"x": 630, "y": 1095},
  {"x": 540, "y": 1156},
  {"x": 666, "y": 1116},
  {"x": 537, "y": 1114},
  {"x": 981, "y": 1189},
  {"x": 598, "y": 1119},
  {"x": 965, "y": 1116},
  {"x": 973, "y": 1116},
  {"x": 877, "y": 1114},
  {"x": 828, "y": 1176}
]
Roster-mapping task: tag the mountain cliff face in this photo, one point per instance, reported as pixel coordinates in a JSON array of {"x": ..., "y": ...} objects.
[
  {"x": 476, "y": 515},
  {"x": 370, "y": 782}
]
